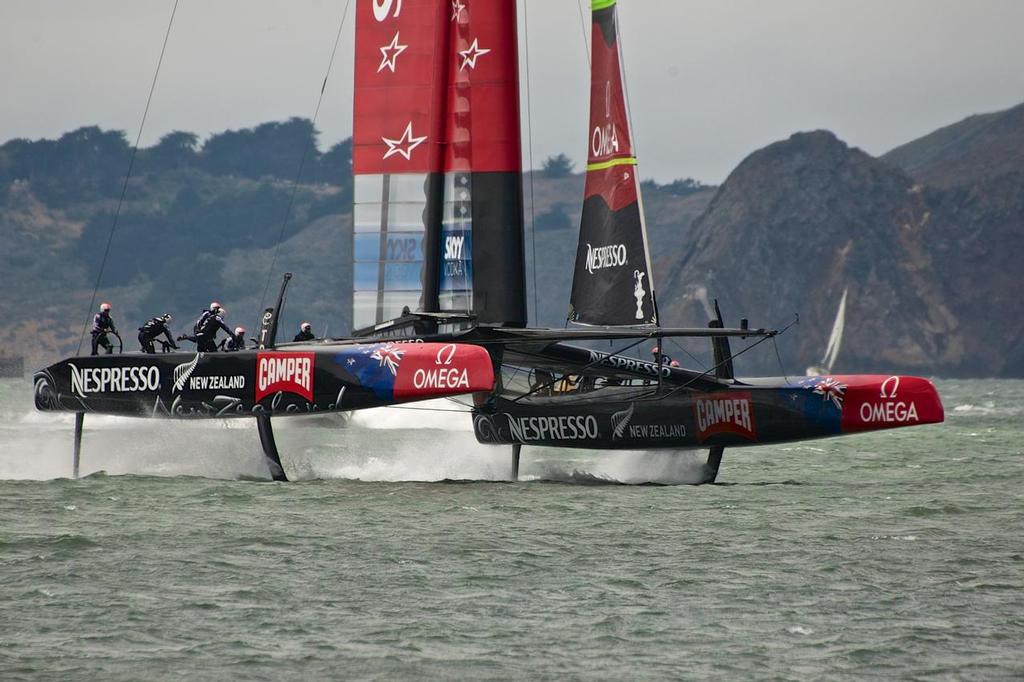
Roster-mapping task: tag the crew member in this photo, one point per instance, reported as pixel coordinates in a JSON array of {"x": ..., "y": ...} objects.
[
  {"x": 212, "y": 310},
  {"x": 149, "y": 332},
  {"x": 305, "y": 332},
  {"x": 665, "y": 360},
  {"x": 235, "y": 342},
  {"x": 102, "y": 324},
  {"x": 206, "y": 328}
]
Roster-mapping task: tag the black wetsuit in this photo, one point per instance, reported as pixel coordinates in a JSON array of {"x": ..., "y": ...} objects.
[
  {"x": 206, "y": 332},
  {"x": 233, "y": 343},
  {"x": 304, "y": 336},
  {"x": 102, "y": 324},
  {"x": 150, "y": 331}
]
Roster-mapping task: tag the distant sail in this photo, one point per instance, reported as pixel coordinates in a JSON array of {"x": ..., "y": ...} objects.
[
  {"x": 436, "y": 158},
  {"x": 612, "y": 279},
  {"x": 835, "y": 340}
]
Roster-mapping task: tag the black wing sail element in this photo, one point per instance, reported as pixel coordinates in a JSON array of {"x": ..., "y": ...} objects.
[{"x": 612, "y": 278}]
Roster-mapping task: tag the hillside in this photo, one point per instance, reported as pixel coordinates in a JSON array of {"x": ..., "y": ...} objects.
[
  {"x": 932, "y": 272},
  {"x": 928, "y": 238},
  {"x": 198, "y": 222},
  {"x": 980, "y": 147},
  {"x": 201, "y": 221}
]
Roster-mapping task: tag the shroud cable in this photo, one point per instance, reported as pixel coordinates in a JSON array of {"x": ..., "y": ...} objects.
[{"x": 127, "y": 177}]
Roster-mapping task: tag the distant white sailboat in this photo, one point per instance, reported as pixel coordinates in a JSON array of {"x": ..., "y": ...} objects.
[{"x": 835, "y": 340}]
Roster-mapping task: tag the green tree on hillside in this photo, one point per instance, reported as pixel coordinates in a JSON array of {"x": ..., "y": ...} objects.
[
  {"x": 559, "y": 166},
  {"x": 84, "y": 164},
  {"x": 270, "y": 149},
  {"x": 335, "y": 166},
  {"x": 174, "y": 151}
]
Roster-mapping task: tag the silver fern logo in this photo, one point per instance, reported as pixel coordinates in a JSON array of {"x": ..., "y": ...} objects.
[
  {"x": 184, "y": 371},
  {"x": 620, "y": 420}
]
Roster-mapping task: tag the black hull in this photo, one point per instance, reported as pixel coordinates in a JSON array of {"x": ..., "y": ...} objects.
[
  {"x": 297, "y": 380},
  {"x": 735, "y": 415}
]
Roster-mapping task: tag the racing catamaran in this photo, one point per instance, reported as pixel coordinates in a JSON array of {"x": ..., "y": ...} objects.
[{"x": 440, "y": 289}]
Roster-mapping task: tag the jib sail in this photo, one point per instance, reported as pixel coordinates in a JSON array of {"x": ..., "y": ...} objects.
[
  {"x": 612, "y": 278},
  {"x": 436, "y": 158}
]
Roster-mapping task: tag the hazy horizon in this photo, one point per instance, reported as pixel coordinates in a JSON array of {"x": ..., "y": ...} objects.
[{"x": 707, "y": 84}]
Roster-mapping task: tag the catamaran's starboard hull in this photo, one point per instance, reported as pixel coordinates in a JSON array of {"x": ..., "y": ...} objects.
[
  {"x": 740, "y": 415},
  {"x": 299, "y": 380}
]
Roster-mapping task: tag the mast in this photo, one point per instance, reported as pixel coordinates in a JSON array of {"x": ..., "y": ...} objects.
[{"x": 612, "y": 282}]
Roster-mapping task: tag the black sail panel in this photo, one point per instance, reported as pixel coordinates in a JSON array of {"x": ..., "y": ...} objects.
[{"x": 612, "y": 277}]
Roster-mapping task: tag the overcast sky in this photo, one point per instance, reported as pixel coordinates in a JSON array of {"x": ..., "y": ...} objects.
[{"x": 709, "y": 81}]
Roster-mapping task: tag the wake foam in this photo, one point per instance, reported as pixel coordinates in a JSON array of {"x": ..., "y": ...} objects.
[
  {"x": 384, "y": 444},
  {"x": 39, "y": 446}
]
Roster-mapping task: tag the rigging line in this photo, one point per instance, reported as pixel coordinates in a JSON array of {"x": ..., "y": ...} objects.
[
  {"x": 778, "y": 357},
  {"x": 636, "y": 152},
  {"x": 675, "y": 343},
  {"x": 575, "y": 371},
  {"x": 583, "y": 30},
  {"x": 529, "y": 150},
  {"x": 127, "y": 177},
  {"x": 625, "y": 86},
  {"x": 586, "y": 53},
  {"x": 731, "y": 357},
  {"x": 302, "y": 160}
]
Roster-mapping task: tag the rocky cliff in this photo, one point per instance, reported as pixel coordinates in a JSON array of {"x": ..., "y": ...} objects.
[{"x": 932, "y": 270}]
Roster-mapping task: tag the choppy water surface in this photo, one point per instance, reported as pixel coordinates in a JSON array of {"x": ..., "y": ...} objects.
[{"x": 896, "y": 554}]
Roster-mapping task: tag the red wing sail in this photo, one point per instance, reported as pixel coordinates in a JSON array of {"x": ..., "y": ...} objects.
[
  {"x": 398, "y": 128},
  {"x": 612, "y": 278},
  {"x": 438, "y": 196},
  {"x": 481, "y": 268}
]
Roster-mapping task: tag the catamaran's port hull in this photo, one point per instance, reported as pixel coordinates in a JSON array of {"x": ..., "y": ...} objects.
[
  {"x": 737, "y": 415},
  {"x": 297, "y": 380}
]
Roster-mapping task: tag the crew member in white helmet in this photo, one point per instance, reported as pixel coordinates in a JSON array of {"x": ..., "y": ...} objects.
[
  {"x": 102, "y": 324},
  {"x": 305, "y": 332}
]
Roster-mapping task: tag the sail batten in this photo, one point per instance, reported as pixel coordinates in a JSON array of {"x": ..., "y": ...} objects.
[{"x": 612, "y": 280}]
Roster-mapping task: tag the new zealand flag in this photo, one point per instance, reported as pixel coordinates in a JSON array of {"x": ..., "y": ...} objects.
[{"x": 375, "y": 366}]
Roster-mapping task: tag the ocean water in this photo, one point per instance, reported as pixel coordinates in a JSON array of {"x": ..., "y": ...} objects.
[{"x": 403, "y": 554}]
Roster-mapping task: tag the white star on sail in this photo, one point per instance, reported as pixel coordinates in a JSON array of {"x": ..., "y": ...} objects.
[
  {"x": 403, "y": 145},
  {"x": 469, "y": 56},
  {"x": 457, "y": 8},
  {"x": 391, "y": 53}
]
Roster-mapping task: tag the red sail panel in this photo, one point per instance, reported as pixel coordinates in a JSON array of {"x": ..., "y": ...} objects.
[
  {"x": 610, "y": 158},
  {"x": 483, "y": 94},
  {"x": 612, "y": 278},
  {"x": 399, "y": 90},
  {"x": 481, "y": 265}
]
